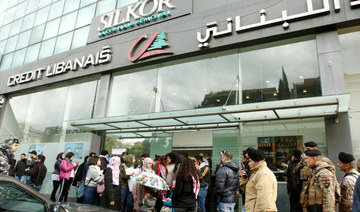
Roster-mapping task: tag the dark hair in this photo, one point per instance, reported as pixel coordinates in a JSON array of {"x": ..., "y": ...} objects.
[
  {"x": 59, "y": 156},
  {"x": 150, "y": 191},
  {"x": 41, "y": 158},
  {"x": 23, "y": 154},
  {"x": 69, "y": 155},
  {"x": 104, "y": 152},
  {"x": 179, "y": 157},
  {"x": 187, "y": 170},
  {"x": 146, "y": 155},
  {"x": 85, "y": 159},
  {"x": 172, "y": 156},
  {"x": 92, "y": 154},
  {"x": 93, "y": 160},
  {"x": 199, "y": 158}
]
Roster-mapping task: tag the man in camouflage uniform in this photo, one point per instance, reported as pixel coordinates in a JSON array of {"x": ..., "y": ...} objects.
[
  {"x": 347, "y": 165},
  {"x": 7, "y": 159},
  {"x": 319, "y": 193},
  {"x": 305, "y": 171}
]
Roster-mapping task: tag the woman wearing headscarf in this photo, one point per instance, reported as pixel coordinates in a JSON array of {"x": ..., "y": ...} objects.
[
  {"x": 66, "y": 168},
  {"x": 127, "y": 170},
  {"x": 138, "y": 189},
  {"x": 111, "y": 197},
  {"x": 55, "y": 176},
  {"x": 94, "y": 176}
]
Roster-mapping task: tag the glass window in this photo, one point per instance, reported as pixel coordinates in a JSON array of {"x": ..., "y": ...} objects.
[
  {"x": 11, "y": 44},
  {"x": 19, "y": 57},
  {"x": 3, "y": 5},
  {"x": 67, "y": 22},
  {"x": 20, "y": 10},
  {"x": 2, "y": 46},
  {"x": 349, "y": 39},
  {"x": 28, "y": 22},
  {"x": 32, "y": 6},
  {"x": 123, "y": 3},
  {"x": 86, "y": 2},
  {"x": 41, "y": 16},
  {"x": 9, "y": 15},
  {"x": 12, "y": 3},
  {"x": 13, "y": 198},
  {"x": 85, "y": 15},
  {"x": 2, "y": 16},
  {"x": 132, "y": 93},
  {"x": 6, "y": 61},
  {"x": 32, "y": 53},
  {"x": 51, "y": 29},
  {"x": 199, "y": 83},
  {"x": 56, "y": 9},
  {"x": 16, "y": 27},
  {"x": 72, "y": 102},
  {"x": 4, "y": 32},
  {"x": 63, "y": 43},
  {"x": 47, "y": 48},
  {"x": 37, "y": 34},
  {"x": 80, "y": 36},
  {"x": 281, "y": 70},
  {"x": 105, "y": 6},
  {"x": 23, "y": 39},
  {"x": 71, "y": 5}
]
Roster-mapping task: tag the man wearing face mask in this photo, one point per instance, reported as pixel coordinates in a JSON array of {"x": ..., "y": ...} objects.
[{"x": 7, "y": 160}]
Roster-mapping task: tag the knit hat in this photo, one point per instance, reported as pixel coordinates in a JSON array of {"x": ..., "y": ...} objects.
[
  {"x": 256, "y": 155},
  {"x": 297, "y": 153}
]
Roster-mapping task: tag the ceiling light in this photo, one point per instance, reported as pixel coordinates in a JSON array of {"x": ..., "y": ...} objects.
[
  {"x": 247, "y": 97},
  {"x": 218, "y": 100},
  {"x": 204, "y": 89},
  {"x": 301, "y": 77},
  {"x": 274, "y": 94},
  {"x": 267, "y": 81},
  {"x": 304, "y": 91}
]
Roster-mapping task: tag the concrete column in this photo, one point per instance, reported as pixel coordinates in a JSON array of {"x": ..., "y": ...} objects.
[{"x": 102, "y": 96}]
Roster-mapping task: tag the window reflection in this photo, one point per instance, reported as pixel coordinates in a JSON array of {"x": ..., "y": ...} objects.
[
  {"x": 279, "y": 72},
  {"x": 27, "y": 116}
]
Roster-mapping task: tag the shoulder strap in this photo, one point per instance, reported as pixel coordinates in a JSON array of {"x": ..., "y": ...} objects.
[{"x": 205, "y": 171}]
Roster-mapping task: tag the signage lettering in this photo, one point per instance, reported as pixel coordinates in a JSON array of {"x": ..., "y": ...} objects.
[
  {"x": 135, "y": 15},
  {"x": 99, "y": 58},
  {"x": 212, "y": 28},
  {"x": 152, "y": 47}
]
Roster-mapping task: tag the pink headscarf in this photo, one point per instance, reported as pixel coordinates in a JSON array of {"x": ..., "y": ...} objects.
[{"x": 114, "y": 164}]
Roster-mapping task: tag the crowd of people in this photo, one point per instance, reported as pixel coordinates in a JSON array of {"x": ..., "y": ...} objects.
[{"x": 105, "y": 180}]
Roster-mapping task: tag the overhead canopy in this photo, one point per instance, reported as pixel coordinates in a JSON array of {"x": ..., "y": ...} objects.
[{"x": 218, "y": 117}]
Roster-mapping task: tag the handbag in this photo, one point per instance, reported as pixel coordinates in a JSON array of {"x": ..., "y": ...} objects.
[
  {"x": 80, "y": 189},
  {"x": 100, "y": 188}
]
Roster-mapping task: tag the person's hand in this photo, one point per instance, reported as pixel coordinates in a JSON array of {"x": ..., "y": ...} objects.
[
  {"x": 102, "y": 176},
  {"x": 78, "y": 183},
  {"x": 242, "y": 173},
  {"x": 27, "y": 169},
  {"x": 112, "y": 203}
]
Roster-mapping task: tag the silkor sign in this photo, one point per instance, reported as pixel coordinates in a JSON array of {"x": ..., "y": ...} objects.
[{"x": 142, "y": 13}]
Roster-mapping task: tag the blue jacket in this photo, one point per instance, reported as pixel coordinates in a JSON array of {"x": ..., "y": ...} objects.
[
  {"x": 227, "y": 182},
  {"x": 356, "y": 200}
]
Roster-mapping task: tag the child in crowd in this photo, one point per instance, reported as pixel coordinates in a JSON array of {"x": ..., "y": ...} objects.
[{"x": 149, "y": 201}]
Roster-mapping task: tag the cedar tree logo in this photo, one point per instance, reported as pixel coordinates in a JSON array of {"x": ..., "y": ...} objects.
[{"x": 152, "y": 47}]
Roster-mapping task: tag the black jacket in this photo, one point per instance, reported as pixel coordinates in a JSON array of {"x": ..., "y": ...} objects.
[
  {"x": 20, "y": 167},
  {"x": 227, "y": 182},
  {"x": 79, "y": 173},
  {"x": 37, "y": 173},
  {"x": 111, "y": 192},
  {"x": 294, "y": 184},
  {"x": 204, "y": 176},
  {"x": 183, "y": 194}
]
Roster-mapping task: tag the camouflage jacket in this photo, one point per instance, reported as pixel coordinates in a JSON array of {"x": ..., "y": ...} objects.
[
  {"x": 347, "y": 190},
  {"x": 6, "y": 157},
  {"x": 321, "y": 188}
]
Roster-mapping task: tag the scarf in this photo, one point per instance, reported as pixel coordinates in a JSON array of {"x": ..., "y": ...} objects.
[
  {"x": 202, "y": 165},
  {"x": 146, "y": 163},
  {"x": 114, "y": 165},
  {"x": 196, "y": 186}
]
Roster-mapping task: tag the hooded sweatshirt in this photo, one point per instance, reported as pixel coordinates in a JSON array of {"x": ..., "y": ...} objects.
[{"x": 6, "y": 156}]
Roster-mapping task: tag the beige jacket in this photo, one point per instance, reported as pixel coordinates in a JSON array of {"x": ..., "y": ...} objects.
[{"x": 261, "y": 190}]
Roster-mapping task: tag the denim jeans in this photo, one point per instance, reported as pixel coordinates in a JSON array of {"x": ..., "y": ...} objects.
[
  {"x": 27, "y": 179},
  {"x": 91, "y": 196},
  {"x": 21, "y": 178},
  {"x": 226, "y": 207},
  {"x": 126, "y": 200},
  {"x": 201, "y": 198}
]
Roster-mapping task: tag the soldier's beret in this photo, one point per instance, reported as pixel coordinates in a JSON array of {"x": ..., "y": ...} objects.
[
  {"x": 310, "y": 144},
  {"x": 346, "y": 158},
  {"x": 312, "y": 152},
  {"x": 256, "y": 155}
]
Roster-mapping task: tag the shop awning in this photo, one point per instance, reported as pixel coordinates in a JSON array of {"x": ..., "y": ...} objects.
[{"x": 218, "y": 117}]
